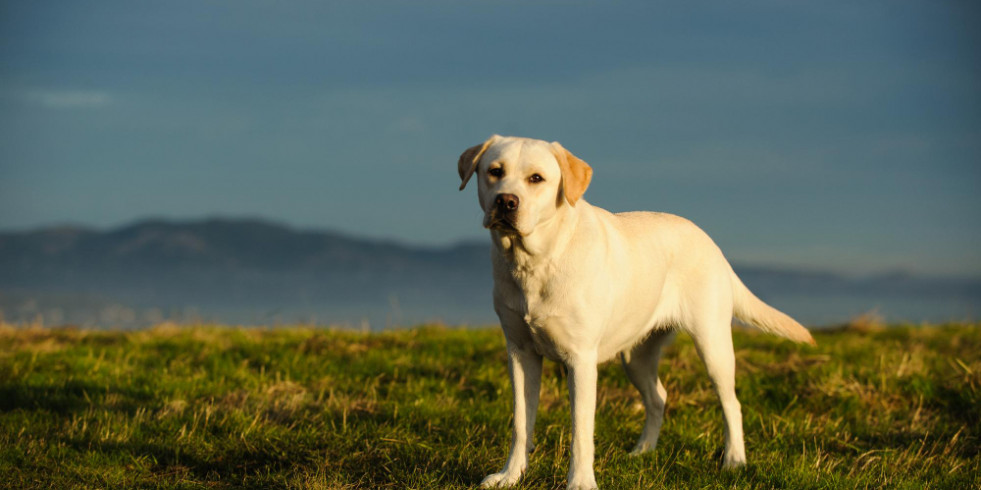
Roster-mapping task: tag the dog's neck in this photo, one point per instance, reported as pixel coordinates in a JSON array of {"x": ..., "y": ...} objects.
[{"x": 546, "y": 243}]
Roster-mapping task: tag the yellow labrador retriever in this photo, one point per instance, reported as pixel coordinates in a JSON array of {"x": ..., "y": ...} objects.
[{"x": 580, "y": 285}]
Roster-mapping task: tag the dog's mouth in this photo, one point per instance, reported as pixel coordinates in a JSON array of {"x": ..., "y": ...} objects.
[
  {"x": 502, "y": 225},
  {"x": 501, "y": 222}
]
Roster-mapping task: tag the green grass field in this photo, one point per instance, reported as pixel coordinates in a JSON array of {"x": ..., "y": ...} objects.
[{"x": 429, "y": 407}]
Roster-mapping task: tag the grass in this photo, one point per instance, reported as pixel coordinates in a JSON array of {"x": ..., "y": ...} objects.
[{"x": 429, "y": 407}]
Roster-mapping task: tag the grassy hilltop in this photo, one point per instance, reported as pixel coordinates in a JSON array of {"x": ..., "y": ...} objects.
[{"x": 429, "y": 407}]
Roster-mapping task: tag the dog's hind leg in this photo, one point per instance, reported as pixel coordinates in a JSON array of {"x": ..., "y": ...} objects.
[
  {"x": 640, "y": 363},
  {"x": 712, "y": 335}
]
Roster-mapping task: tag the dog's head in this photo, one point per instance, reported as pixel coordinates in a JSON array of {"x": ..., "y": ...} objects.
[{"x": 522, "y": 182}]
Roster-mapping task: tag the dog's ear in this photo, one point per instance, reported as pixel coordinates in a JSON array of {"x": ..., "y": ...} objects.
[
  {"x": 467, "y": 164},
  {"x": 576, "y": 173}
]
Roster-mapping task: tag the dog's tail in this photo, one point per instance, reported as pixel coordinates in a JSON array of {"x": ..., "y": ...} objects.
[{"x": 750, "y": 309}]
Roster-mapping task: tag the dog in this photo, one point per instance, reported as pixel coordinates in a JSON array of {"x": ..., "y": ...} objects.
[{"x": 580, "y": 285}]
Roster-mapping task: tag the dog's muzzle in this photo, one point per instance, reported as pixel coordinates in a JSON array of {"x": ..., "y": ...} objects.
[{"x": 504, "y": 214}]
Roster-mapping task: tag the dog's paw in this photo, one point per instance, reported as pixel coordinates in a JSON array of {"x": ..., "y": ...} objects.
[
  {"x": 582, "y": 483},
  {"x": 733, "y": 460},
  {"x": 643, "y": 447},
  {"x": 502, "y": 479}
]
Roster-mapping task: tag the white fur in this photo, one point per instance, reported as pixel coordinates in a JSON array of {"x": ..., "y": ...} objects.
[{"x": 580, "y": 285}]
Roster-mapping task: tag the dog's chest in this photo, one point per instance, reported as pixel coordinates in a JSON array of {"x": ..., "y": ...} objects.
[
  {"x": 541, "y": 304},
  {"x": 546, "y": 335}
]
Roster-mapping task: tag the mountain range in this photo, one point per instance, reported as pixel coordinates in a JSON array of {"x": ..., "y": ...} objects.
[{"x": 252, "y": 271}]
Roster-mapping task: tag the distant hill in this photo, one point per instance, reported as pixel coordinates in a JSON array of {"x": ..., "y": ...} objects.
[{"x": 254, "y": 271}]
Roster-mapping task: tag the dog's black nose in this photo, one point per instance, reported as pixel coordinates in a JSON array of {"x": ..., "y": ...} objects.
[{"x": 506, "y": 202}]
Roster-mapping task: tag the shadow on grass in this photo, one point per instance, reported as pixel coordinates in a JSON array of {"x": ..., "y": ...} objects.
[
  {"x": 71, "y": 396},
  {"x": 233, "y": 462}
]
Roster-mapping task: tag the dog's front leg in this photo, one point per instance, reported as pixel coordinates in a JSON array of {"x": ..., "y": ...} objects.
[
  {"x": 582, "y": 392},
  {"x": 525, "y": 367}
]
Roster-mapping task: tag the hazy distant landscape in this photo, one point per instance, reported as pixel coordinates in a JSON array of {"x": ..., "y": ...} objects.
[{"x": 261, "y": 272}]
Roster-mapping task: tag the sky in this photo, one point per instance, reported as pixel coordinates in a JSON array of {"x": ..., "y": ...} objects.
[{"x": 842, "y": 136}]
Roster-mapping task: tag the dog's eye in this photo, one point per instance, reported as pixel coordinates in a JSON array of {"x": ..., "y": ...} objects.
[
  {"x": 496, "y": 172},
  {"x": 535, "y": 179}
]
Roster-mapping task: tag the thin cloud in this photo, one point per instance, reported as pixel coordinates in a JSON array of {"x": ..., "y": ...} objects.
[{"x": 70, "y": 99}]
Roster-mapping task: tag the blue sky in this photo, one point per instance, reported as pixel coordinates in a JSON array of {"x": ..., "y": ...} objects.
[{"x": 827, "y": 135}]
